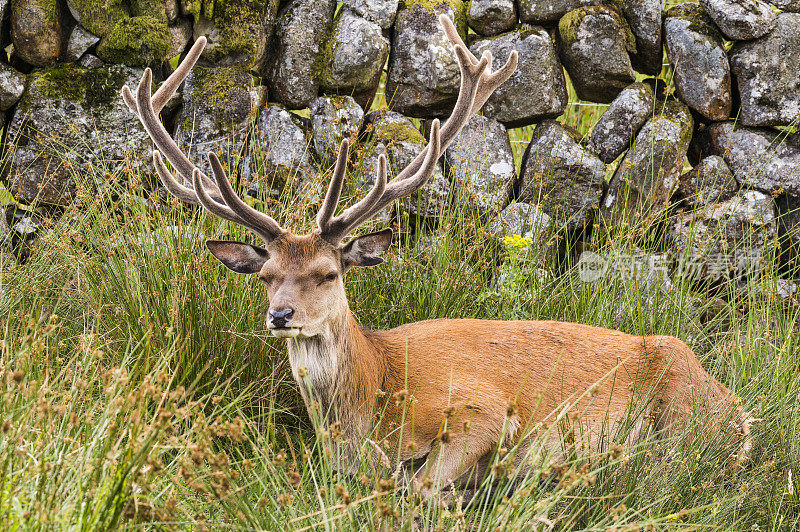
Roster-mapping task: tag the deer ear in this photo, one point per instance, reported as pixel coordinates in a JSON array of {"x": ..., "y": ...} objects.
[
  {"x": 238, "y": 256},
  {"x": 364, "y": 250}
]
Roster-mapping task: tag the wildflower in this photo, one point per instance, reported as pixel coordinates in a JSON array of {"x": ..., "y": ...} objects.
[
  {"x": 294, "y": 479},
  {"x": 616, "y": 451},
  {"x": 343, "y": 494},
  {"x": 511, "y": 410},
  {"x": 400, "y": 397},
  {"x": 285, "y": 499}
]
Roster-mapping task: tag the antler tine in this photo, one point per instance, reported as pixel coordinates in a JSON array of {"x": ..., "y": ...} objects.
[
  {"x": 170, "y": 183},
  {"x": 325, "y": 214},
  {"x": 337, "y": 228},
  {"x": 186, "y": 194},
  {"x": 491, "y": 80},
  {"x": 262, "y": 224},
  {"x": 171, "y": 84},
  {"x": 226, "y": 204},
  {"x": 223, "y": 211},
  {"x": 477, "y": 84}
]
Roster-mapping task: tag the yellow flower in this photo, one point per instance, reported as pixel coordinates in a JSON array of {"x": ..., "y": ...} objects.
[{"x": 516, "y": 242}]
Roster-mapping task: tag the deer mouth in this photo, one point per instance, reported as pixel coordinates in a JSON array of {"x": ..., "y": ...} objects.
[{"x": 285, "y": 332}]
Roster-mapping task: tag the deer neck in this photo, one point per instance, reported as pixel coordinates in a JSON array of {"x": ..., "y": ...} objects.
[{"x": 338, "y": 372}]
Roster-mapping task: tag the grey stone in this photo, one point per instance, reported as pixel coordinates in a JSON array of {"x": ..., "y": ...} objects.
[
  {"x": 36, "y": 31},
  {"x": 786, "y": 289},
  {"x": 80, "y": 40},
  {"x": 396, "y": 137},
  {"x": 649, "y": 173},
  {"x": 644, "y": 19},
  {"x": 68, "y": 118},
  {"x": 789, "y": 230},
  {"x": 522, "y": 219},
  {"x": 90, "y": 61},
  {"x": 791, "y": 6},
  {"x": 333, "y": 118},
  {"x": 767, "y": 71},
  {"x": 728, "y": 240},
  {"x": 181, "y": 33},
  {"x": 711, "y": 181},
  {"x": 549, "y": 11},
  {"x": 562, "y": 176},
  {"x": 172, "y": 10},
  {"x": 537, "y": 89},
  {"x": 381, "y": 12},
  {"x": 760, "y": 158},
  {"x": 279, "y": 152},
  {"x": 491, "y": 17},
  {"x": 299, "y": 34},
  {"x": 740, "y": 20},
  {"x": 481, "y": 165},
  {"x": 696, "y": 51},
  {"x": 354, "y": 56},
  {"x": 218, "y": 109},
  {"x": 424, "y": 77},
  {"x": 238, "y": 32},
  {"x": 594, "y": 44},
  {"x": 614, "y": 131},
  {"x": 12, "y": 85},
  {"x": 19, "y": 229}
]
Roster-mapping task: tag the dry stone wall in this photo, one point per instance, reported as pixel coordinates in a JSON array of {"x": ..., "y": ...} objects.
[{"x": 730, "y": 102}]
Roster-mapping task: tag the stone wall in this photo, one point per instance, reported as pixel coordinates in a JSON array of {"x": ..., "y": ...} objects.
[{"x": 732, "y": 61}]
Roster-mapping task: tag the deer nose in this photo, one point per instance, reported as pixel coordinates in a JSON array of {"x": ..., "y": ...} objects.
[{"x": 280, "y": 318}]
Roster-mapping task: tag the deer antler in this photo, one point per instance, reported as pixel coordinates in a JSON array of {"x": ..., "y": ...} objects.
[
  {"x": 218, "y": 196},
  {"x": 478, "y": 82}
]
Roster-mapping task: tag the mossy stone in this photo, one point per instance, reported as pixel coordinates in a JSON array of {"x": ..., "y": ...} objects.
[
  {"x": 136, "y": 41},
  {"x": 222, "y": 92},
  {"x": 98, "y": 16},
  {"x": 238, "y": 30},
  {"x": 149, "y": 8},
  {"x": 36, "y": 31},
  {"x": 67, "y": 81}
]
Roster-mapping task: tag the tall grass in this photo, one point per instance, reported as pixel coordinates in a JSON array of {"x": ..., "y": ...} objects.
[{"x": 140, "y": 389}]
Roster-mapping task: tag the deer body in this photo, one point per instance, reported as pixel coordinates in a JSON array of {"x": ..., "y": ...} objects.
[
  {"x": 447, "y": 392},
  {"x": 505, "y": 379}
]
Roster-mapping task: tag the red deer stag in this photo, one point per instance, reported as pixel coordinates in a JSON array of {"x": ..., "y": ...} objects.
[{"x": 494, "y": 382}]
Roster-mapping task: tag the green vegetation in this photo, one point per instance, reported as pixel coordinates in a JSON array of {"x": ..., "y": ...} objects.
[{"x": 140, "y": 391}]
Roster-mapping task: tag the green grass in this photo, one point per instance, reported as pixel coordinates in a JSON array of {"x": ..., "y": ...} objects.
[{"x": 140, "y": 390}]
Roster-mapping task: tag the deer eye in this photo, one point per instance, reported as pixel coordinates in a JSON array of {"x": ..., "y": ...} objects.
[{"x": 330, "y": 277}]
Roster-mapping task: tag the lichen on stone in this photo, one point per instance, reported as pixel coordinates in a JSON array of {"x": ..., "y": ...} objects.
[
  {"x": 216, "y": 90},
  {"x": 236, "y": 21},
  {"x": 458, "y": 6}
]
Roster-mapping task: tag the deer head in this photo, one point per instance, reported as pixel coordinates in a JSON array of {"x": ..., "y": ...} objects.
[{"x": 304, "y": 273}]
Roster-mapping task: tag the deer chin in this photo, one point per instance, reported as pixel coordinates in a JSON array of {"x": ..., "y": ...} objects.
[{"x": 286, "y": 332}]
